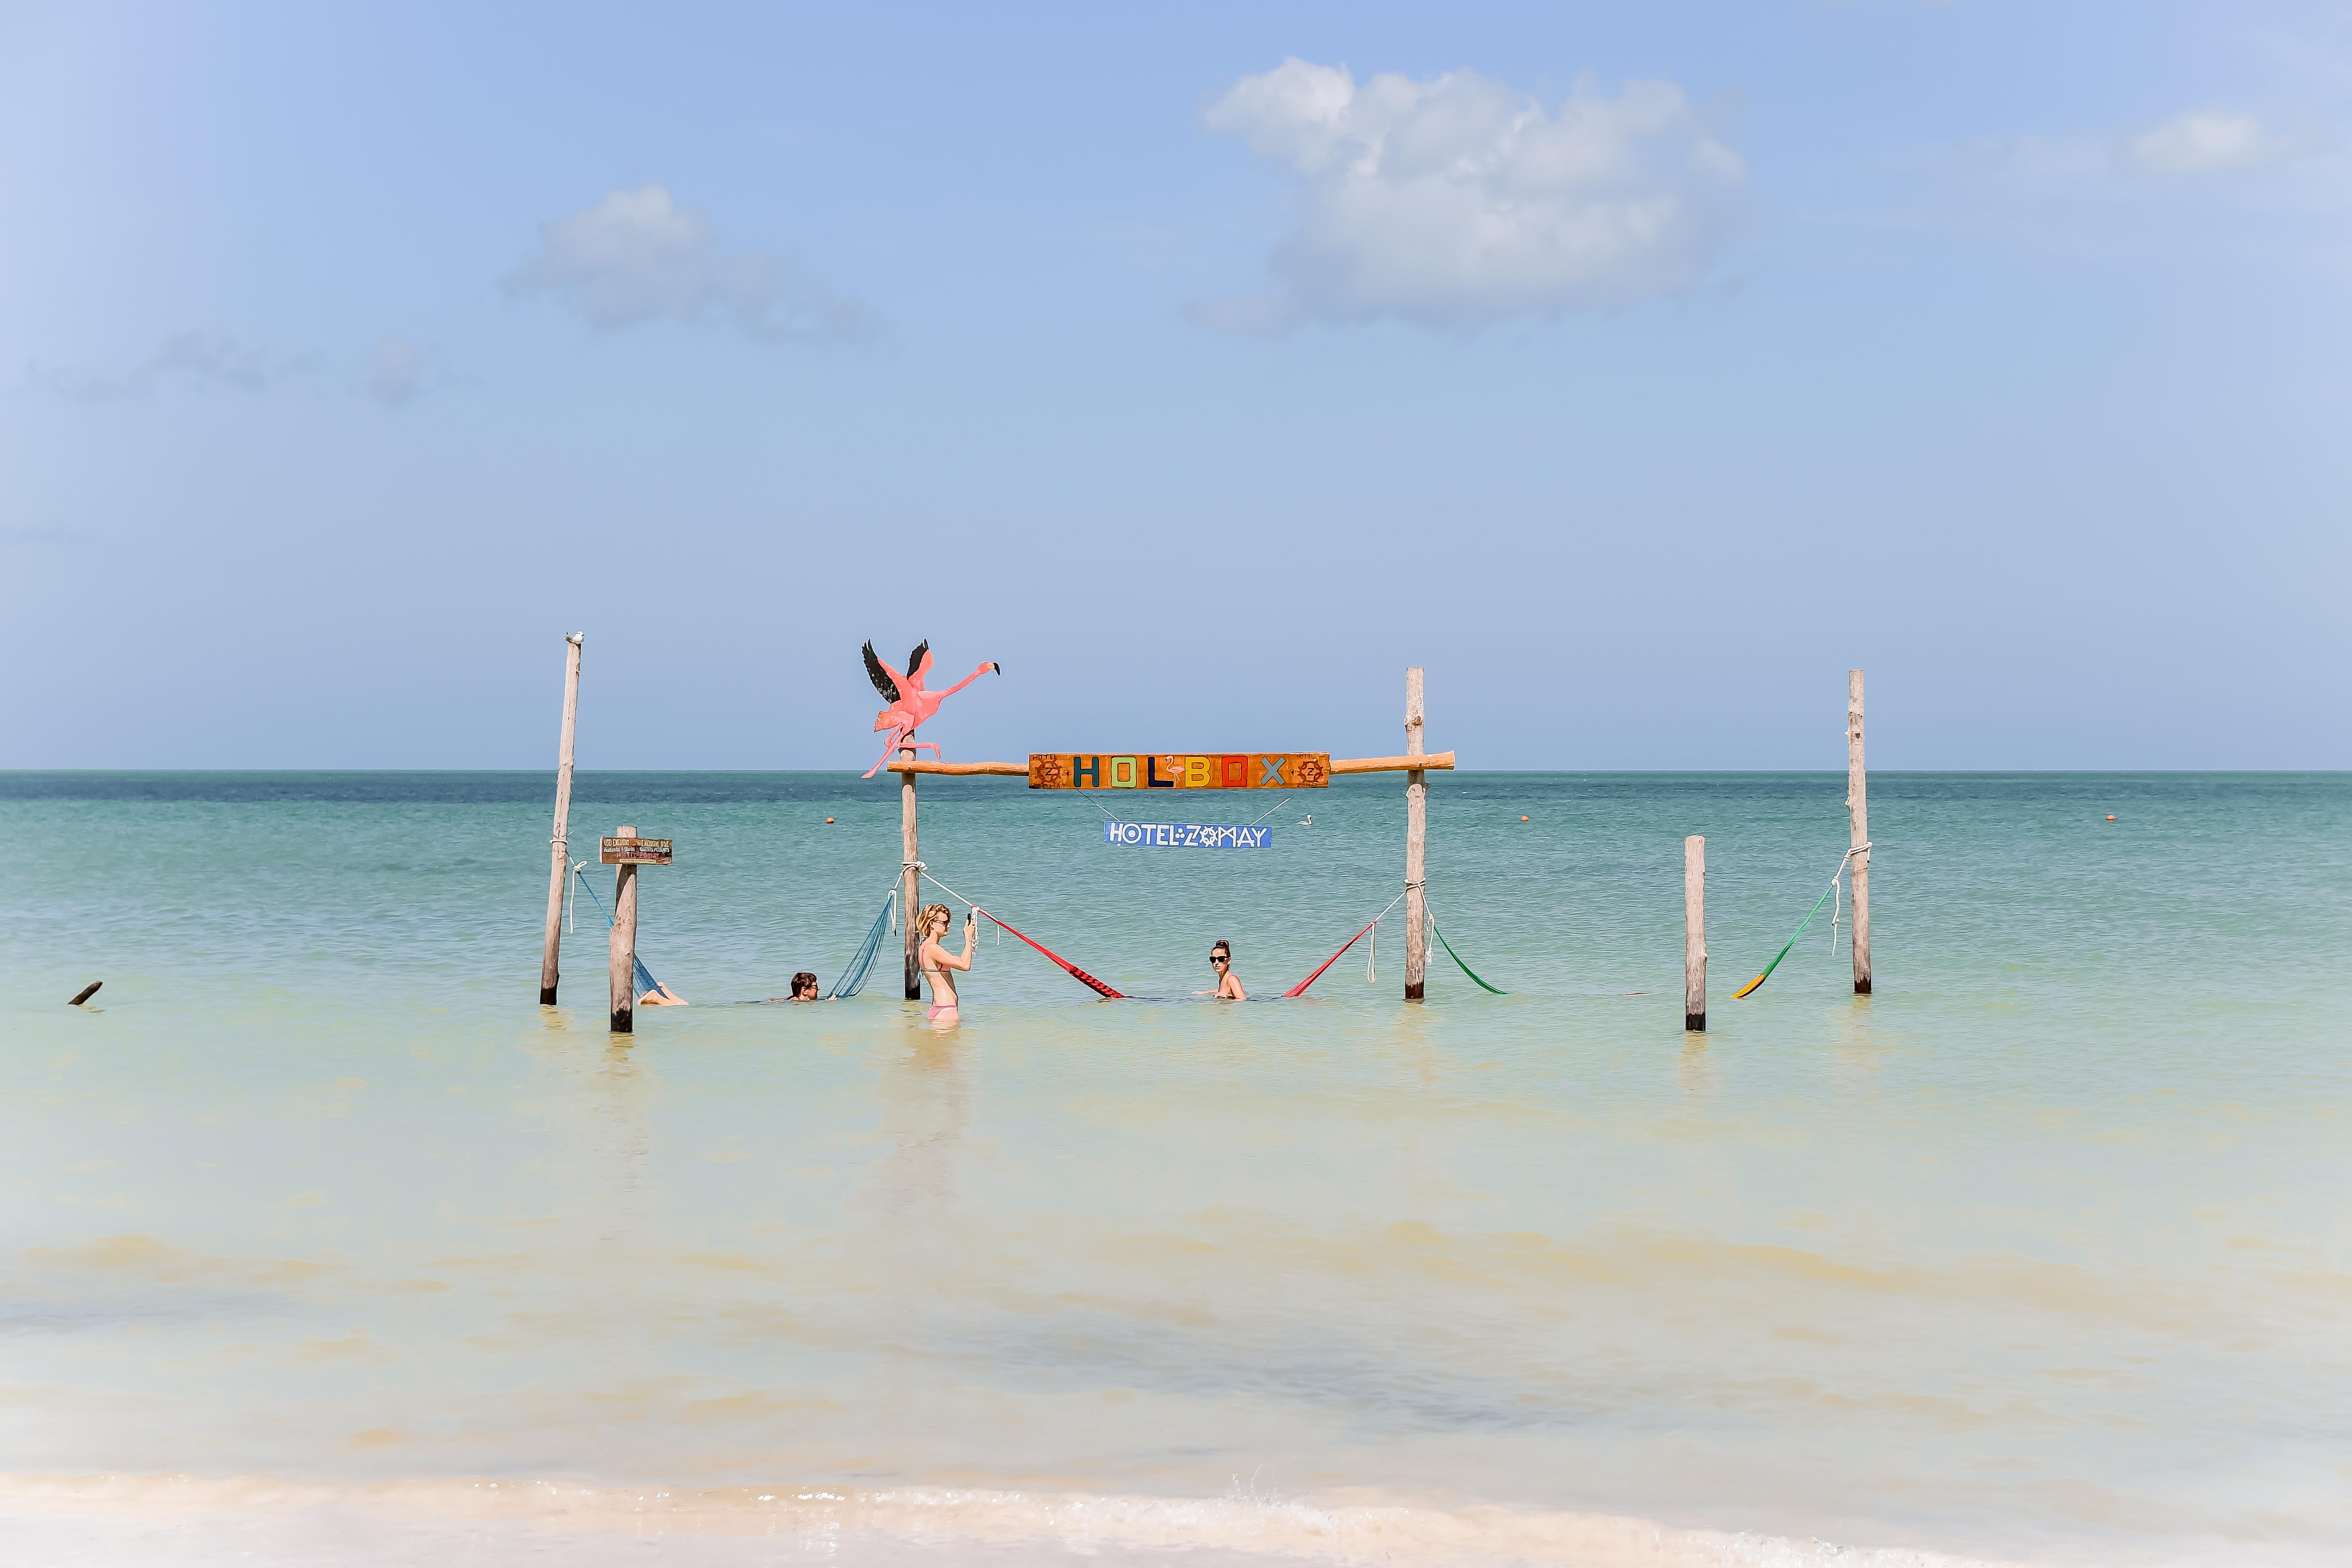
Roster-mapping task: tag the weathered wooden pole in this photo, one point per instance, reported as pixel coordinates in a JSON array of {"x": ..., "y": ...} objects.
[
  {"x": 1857, "y": 807},
  {"x": 911, "y": 902},
  {"x": 562, "y": 845},
  {"x": 1416, "y": 832},
  {"x": 624, "y": 942},
  {"x": 1695, "y": 932}
]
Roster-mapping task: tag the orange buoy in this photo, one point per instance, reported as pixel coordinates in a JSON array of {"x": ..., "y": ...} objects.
[
  {"x": 829, "y": 819},
  {"x": 1523, "y": 819},
  {"x": 2111, "y": 819}
]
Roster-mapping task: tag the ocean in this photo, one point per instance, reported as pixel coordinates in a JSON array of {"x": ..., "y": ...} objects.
[{"x": 323, "y": 1240}]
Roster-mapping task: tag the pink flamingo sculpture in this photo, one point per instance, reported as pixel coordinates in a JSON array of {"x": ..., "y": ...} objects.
[{"x": 909, "y": 704}]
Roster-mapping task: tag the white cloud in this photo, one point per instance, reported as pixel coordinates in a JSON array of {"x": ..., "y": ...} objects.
[
  {"x": 205, "y": 358},
  {"x": 1457, "y": 202},
  {"x": 637, "y": 257},
  {"x": 2204, "y": 142},
  {"x": 403, "y": 372}
]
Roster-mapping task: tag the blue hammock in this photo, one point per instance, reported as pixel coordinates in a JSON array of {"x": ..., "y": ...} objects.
[
  {"x": 645, "y": 981},
  {"x": 854, "y": 977}
]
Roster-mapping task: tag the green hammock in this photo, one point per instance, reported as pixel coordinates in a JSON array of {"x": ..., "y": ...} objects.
[
  {"x": 1458, "y": 957},
  {"x": 1804, "y": 923}
]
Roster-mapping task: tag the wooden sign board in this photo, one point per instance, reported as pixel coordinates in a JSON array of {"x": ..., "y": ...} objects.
[
  {"x": 1179, "y": 770},
  {"x": 635, "y": 851}
]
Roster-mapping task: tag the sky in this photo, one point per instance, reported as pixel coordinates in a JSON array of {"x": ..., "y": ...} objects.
[{"x": 1635, "y": 370}]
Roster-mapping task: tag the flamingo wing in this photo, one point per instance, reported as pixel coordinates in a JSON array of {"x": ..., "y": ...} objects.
[
  {"x": 918, "y": 663},
  {"x": 879, "y": 674}
]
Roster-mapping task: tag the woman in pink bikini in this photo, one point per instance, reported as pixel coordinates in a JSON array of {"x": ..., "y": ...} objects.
[{"x": 937, "y": 962}]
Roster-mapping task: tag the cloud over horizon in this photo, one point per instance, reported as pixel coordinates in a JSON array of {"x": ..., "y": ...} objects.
[
  {"x": 1458, "y": 202},
  {"x": 635, "y": 257},
  {"x": 2204, "y": 142}
]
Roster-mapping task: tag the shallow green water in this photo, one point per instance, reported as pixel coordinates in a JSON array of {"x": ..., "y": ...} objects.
[{"x": 2041, "y": 1248}]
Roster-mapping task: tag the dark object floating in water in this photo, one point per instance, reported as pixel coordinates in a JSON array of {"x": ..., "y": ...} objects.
[{"x": 86, "y": 992}]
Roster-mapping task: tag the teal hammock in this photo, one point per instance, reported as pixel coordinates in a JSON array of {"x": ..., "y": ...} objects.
[
  {"x": 645, "y": 981},
  {"x": 854, "y": 977}
]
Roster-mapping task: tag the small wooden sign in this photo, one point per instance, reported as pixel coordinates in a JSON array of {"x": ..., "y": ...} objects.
[
  {"x": 1179, "y": 770},
  {"x": 635, "y": 851}
]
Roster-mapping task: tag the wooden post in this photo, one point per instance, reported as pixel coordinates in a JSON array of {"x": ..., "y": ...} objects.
[
  {"x": 1857, "y": 807},
  {"x": 911, "y": 902},
  {"x": 1416, "y": 832},
  {"x": 624, "y": 942},
  {"x": 1695, "y": 932},
  {"x": 561, "y": 846}
]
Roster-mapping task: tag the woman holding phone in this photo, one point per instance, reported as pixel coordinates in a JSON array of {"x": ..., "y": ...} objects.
[{"x": 935, "y": 960}]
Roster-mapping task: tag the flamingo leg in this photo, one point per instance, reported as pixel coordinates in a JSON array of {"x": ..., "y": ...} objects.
[{"x": 898, "y": 742}]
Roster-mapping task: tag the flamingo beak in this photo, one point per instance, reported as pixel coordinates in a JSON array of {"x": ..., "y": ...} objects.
[{"x": 996, "y": 667}]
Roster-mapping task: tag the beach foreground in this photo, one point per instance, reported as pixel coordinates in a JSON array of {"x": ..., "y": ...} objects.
[{"x": 87, "y": 1522}]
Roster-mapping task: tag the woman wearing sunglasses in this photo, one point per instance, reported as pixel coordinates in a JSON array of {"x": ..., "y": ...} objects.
[
  {"x": 1229, "y": 985},
  {"x": 937, "y": 962}
]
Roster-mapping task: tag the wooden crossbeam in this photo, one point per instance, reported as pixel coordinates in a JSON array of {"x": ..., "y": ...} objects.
[{"x": 1436, "y": 760}]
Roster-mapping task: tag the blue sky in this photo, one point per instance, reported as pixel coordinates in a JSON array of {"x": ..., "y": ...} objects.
[{"x": 1637, "y": 370}]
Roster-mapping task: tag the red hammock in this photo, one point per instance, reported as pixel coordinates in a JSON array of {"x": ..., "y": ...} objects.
[
  {"x": 1333, "y": 959},
  {"x": 1080, "y": 975}
]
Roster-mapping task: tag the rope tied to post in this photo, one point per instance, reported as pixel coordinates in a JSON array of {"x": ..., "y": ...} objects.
[
  {"x": 1834, "y": 886},
  {"x": 1080, "y": 975},
  {"x": 1300, "y": 989},
  {"x": 1837, "y": 911},
  {"x": 644, "y": 977}
]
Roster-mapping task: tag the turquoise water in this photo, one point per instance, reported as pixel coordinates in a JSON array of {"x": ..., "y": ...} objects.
[{"x": 2040, "y": 1252}]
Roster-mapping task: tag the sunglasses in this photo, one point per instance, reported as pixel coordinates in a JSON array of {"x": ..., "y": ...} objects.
[{"x": 1219, "y": 958}]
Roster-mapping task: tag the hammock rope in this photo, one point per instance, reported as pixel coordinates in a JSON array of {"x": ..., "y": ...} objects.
[
  {"x": 1833, "y": 887},
  {"x": 1074, "y": 971},
  {"x": 1300, "y": 989},
  {"x": 645, "y": 981}
]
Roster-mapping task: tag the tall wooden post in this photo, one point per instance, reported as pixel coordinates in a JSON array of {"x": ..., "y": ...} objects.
[
  {"x": 911, "y": 902},
  {"x": 1857, "y": 807},
  {"x": 624, "y": 942},
  {"x": 1695, "y": 932},
  {"x": 561, "y": 846},
  {"x": 1416, "y": 831}
]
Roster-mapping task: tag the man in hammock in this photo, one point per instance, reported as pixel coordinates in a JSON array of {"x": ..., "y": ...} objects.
[{"x": 804, "y": 989}]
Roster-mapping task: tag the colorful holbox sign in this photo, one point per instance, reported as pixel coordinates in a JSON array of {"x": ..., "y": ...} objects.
[
  {"x": 634, "y": 851},
  {"x": 1186, "y": 835},
  {"x": 1179, "y": 770}
]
